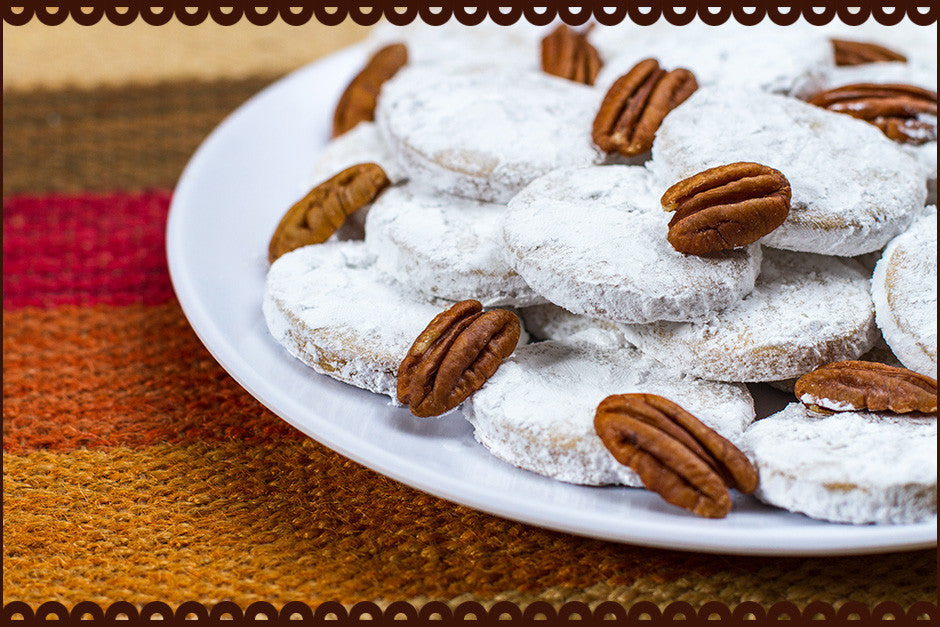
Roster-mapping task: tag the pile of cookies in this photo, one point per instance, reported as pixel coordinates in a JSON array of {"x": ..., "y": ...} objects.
[{"x": 589, "y": 240}]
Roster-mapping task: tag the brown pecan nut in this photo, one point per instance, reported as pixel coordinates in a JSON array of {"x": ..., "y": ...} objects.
[
  {"x": 567, "y": 53},
  {"x": 905, "y": 113},
  {"x": 674, "y": 453},
  {"x": 316, "y": 216},
  {"x": 726, "y": 207},
  {"x": 636, "y": 104},
  {"x": 861, "y": 52},
  {"x": 454, "y": 356},
  {"x": 357, "y": 104},
  {"x": 866, "y": 385}
]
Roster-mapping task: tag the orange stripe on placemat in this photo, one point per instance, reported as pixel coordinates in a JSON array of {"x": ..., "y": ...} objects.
[
  {"x": 85, "y": 249},
  {"x": 278, "y": 522},
  {"x": 105, "y": 376}
]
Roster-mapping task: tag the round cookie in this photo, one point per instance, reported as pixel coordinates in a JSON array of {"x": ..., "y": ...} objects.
[
  {"x": 904, "y": 289},
  {"x": 537, "y": 411},
  {"x": 486, "y": 134},
  {"x": 444, "y": 247},
  {"x": 593, "y": 240},
  {"x": 551, "y": 322},
  {"x": 853, "y": 189},
  {"x": 805, "y": 311},
  {"x": 848, "y": 467},
  {"x": 764, "y": 56},
  {"x": 327, "y": 305}
]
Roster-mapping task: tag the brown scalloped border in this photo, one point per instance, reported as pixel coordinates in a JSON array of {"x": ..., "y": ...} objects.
[
  {"x": 712, "y": 12},
  {"x": 439, "y": 613}
]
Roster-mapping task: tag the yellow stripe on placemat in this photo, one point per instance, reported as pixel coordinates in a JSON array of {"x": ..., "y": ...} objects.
[
  {"x": 35, "y": 55},
  {"x": 293, "y": 521}
]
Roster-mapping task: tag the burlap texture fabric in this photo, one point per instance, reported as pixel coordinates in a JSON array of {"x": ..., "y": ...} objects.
[{"x": 135, "y": 468}]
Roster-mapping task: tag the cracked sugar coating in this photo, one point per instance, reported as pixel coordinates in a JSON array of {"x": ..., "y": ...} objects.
[
  {"x": 486, "y": 134},
  {"x": 764, "y": 56},
  {"x": 805, "y": 311},
  {"x": 551, "y": 322},
  {"x": 850, "y": 467},
  {"x": 904, "y": 289},
  {"x": 327, "y": 305},
  {"x": 593, "y": 240},
  {"x": 853, "y": 189},
  {"x": 537, "y": 411},
  {"x": 444, "y": 247}
]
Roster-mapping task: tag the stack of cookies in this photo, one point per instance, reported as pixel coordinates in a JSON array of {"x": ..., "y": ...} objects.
[{"x": 588, "y": 241}]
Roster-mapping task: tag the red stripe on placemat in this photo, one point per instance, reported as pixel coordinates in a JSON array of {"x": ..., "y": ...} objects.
[{"x": 85, "y": 249}]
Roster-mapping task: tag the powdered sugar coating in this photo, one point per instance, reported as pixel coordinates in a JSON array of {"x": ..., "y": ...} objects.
[
  {"x": 764, "y": 57},
  {"x": 850, "y": 467},
  {"x": 327, "y": 305},
  {"x": 551, "y": 322},
  {"x": 361, "y": 144},
  {"x": 805, "y": 311},
  {"x": 484, "y": 134},
  {"x": 537, "y": 411},
  {"x": 904, "y": 289},
  {"x": 853, "y": 189},
  {"x": 444, "y": 247},
  {"x": 593, "y": 240}
]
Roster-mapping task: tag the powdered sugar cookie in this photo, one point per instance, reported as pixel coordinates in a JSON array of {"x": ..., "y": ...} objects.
[
  {"x": 537, "y": 411},
  {"x": 806, "y": 310},
  {"x": 764, "y": 57},
  {"x": 850, "y": 467},
  {"x": 904, "y": 289},
  {"x": 879, "y": 353},
  {"x": 593, "y": 240},
  {"x": 444, "y": 247},
  {"x": 327, "y": 305},
  {"x": 551, "y": 322},
  {"x": 486, "y": 134},
  {"x": 853, "y": 189}
]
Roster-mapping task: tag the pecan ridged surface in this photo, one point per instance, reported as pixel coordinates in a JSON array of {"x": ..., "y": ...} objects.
[
  {"x": 864, "y": 385},
  {"x": 454, "y": 356},
  {"x": 905, "y": 113},
  {"x": 726, "y": 207},
  {"x": 357, "y": 104},
  {"x": 635, "y": 105},
  {"x": 848, "y": 52},
  {"x": 316, "y": 216},
  {"x": 675, "y": 454},
  {"x": 568, "y": 54}
]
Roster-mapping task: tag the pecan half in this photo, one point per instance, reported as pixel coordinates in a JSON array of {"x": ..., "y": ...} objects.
[
  {"x": 636, "y": 104},
  {"x": 674, "y": 453},
  {"x": 567, "y": 53},
  {"x": 316, "y": 216},
  {"x": 726, "y": 207},
  {"x": 454, "y": 356},
  {"x": 861, "y": 52},
  {"x": 905, "y": 113},
  {"x": 357, "y": 104},
  {"x": 866, "y": 385}
]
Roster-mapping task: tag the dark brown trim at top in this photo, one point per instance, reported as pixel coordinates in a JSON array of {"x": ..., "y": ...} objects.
[{"x": 470, "y": 12}]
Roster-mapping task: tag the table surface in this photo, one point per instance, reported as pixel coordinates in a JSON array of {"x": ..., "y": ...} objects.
[{"x": 136, "y": 469}]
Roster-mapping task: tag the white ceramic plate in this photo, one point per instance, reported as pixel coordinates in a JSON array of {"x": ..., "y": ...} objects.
[{"x": 227, "y": 203}]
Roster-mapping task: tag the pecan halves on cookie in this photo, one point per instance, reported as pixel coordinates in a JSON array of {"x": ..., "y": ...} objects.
[
  {"x": 636, "y": 104},
  {"x": 865, "y": 385},
  {"x": 454, "y": 356},
  {"x": 316, "y": 216},
  {"x": 905, "y": 113},
  {"x": 357, "y": 104},
  {"x": 848, "y": 52},
  {"x": 674, "y": 453},
  {"x": 567, "y": 53},
  {"x": 726, "y": 207}
]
